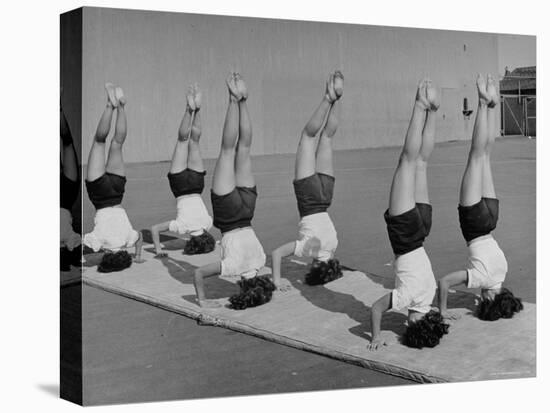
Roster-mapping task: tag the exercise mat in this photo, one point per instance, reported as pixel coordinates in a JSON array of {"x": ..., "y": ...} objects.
[{"x": 334, "y": 319}]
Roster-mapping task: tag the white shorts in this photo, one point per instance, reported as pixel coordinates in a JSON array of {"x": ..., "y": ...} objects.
[
  {"x": 112, "y": 230},
  {"x": 414, "y": 283},
  {"x": 192, "y": 216},
  {"x": 242, "y": 254},
  {"x": 68, "y": 238},
  {"x": 317, "y": 237},
  {"x": 487, "y": 266}
]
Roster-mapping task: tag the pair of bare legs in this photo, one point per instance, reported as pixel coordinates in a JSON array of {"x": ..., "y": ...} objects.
[
  {"x": 187, "y": 153},
  {"x": 97, "y": 165},
  {"x": 114, "y": 164},
  {"x": 410, "y": 185},
  {"x": 233, "y": 167},
  {"x": 477, "y": 181},
  {"x": 313, "y": 156}
]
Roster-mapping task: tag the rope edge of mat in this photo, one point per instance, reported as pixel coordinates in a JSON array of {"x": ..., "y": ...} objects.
[{"x": 209, "y": 320}]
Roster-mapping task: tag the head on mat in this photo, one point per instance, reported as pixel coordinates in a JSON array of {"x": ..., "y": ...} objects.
[
  {"x": 322, "y": 272},
  {"x": 254, "y": 291},
  {"x": 495, "y": 305},
  {"x": 200, "y": 244},
  {"x": 115, "y": 261},
  {"x": 106, "y": 181},
  {"x": 408, "y": 221},
  {"x": 478, "y": 212},
  {"x": 314, "y": 187},
  {"x": 426, "y": 331},
  {"x": 186, "y": 180},
  {"x": 234, "y": 196}
]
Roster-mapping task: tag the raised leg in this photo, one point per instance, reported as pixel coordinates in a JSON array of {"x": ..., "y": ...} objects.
[
  {"x": 224, "y": 172},
  {"x": 471, "y": 189},
  {"x": 402, "y": 193},
  {"x": 428, "y": 140},
  {"x": 179, "y": 157},
  {"x": 243, "y": 163},
  {"x": 488, "y": 189},
  {"x": 96, "y": 158},
  {"x": 323, "y": 156},
  {"x": 115, "y": 162},
  {"x": 305, "y": 155},
  {"x": 194, "y": 159}
]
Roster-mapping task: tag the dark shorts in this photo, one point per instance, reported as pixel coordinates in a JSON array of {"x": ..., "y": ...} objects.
[
  {"x": 314, "y": 193},
  {"x": 107, "y": 190},
  {"x": 478, "y": 219},
  {"x": 68, "y": 191},
  {"x": 235, "y": 209},
  {"x": 186, "y": 182},
  {"x": 408, "y": 230}
]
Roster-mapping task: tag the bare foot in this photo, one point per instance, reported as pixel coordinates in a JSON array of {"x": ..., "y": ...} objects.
[
  {"x": 422, "y": 95},
  {"x": 492, "y": 92},
  {"x": 338, "y": 84},
  {"x": 484, "y": 98},
  {"x": 432, "y": 96},
  {"x": 111, "y": 97},
  {"x": 197, "y": 96},
  {"x": 330, "y": 94},
  {"x": 232, "y": 87},
  {"x": 209, "y": 304},
  {"x": 190, "y": 99},
  {"x": 241, "y": 86},
  {"x": 119, "y": 94}
]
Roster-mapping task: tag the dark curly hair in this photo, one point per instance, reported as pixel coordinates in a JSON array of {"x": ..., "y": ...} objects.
[
  {"x": 321, "y": 272},
  {"x": 200, "y": 244},
  {"x": 254, "y": 292},
  {"x": 426, "y": 332},
  {"x": 115, "y": 261},
  {"x": 504, "y": 305}
]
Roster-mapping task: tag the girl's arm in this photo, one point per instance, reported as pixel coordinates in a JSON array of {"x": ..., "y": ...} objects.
[
  {"x": 450, "y": 280},
  {"x": 138, "y": 246},
  {"x": 276, "y": 257},
  {"x": 380, "y": 306},
  {"x": 201, "y": 273},
  {"x": 155, "y": 232}
]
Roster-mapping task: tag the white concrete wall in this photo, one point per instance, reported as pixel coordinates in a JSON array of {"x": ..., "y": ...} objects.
[{"x": 154, "y": 56}]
